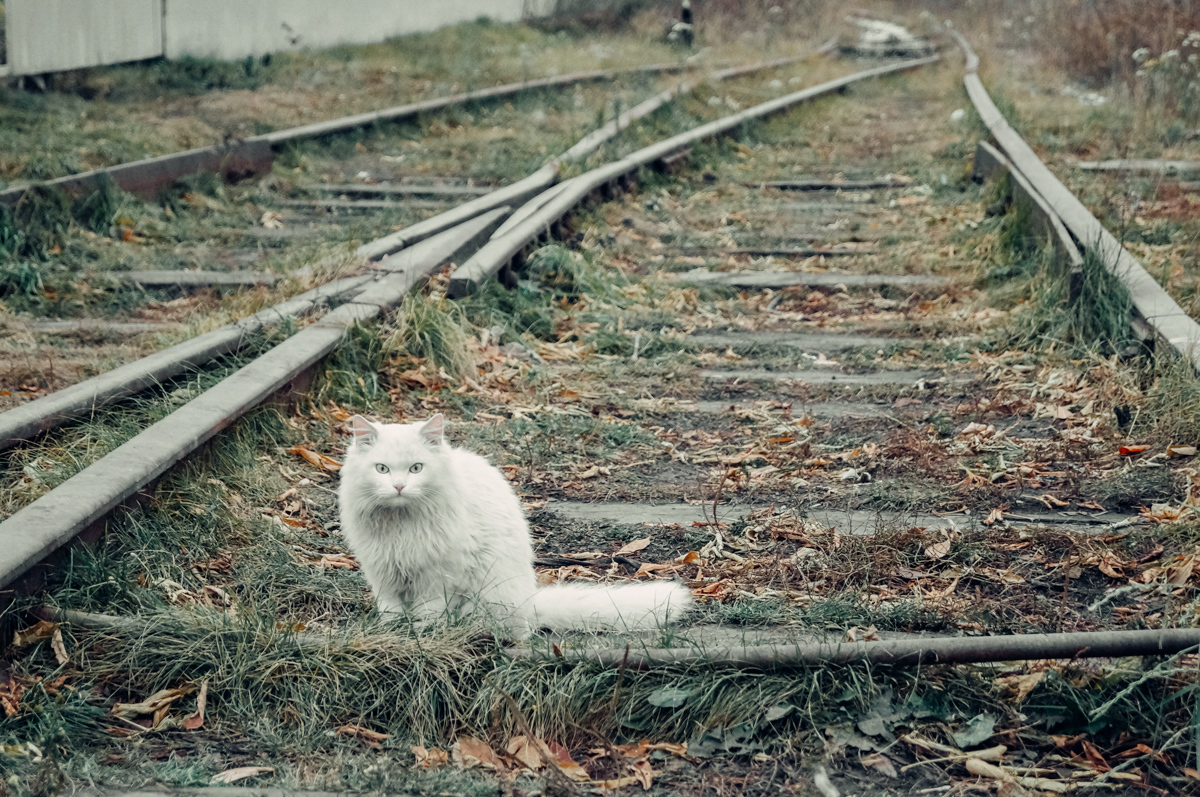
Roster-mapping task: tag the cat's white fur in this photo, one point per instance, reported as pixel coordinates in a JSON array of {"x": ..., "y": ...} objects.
[{"x": 438, "y": 528}]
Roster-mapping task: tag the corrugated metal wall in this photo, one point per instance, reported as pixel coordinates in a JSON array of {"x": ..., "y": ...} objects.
[
  {"x": 230, "y": 29},
  {"x": 55, "y": 35}
]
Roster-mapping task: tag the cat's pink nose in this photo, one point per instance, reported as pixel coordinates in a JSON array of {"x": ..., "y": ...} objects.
[{"x": 399, "y": 489}]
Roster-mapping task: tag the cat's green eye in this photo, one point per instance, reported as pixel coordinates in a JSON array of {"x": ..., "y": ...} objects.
[
  {"x": 416, "y": 468},
  {"x": 382, "y": 468}
]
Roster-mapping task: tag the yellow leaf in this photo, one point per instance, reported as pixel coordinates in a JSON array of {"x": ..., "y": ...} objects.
[
  {"x": 630, "y": 548},
  {"x": 240, "y": 773}
]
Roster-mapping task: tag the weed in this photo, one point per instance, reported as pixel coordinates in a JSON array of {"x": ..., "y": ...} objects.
[
  {"x": 43, "y": 215},
  {"x": 98, "y": 210},
  {"x": 351, "y": 373},
  {"x": 433, "y": 329}
]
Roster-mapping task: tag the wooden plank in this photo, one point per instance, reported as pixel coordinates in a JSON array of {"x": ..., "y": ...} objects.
[
  {"x": 818, "y": 341},
  {"x": 832, "y": 185},
  {"x": 767, "y": 251},
  {"x": 792, "y": 279},
  {"x": 196, "y": 279},
  {"x": 362, "y": 204},
  {"x": 219, "y": 791},
  {"x": 824, "y": 377},
  {"x": 405, "y": 189},
  {"x": 95, "y": 326},
  {"x": 1144, "y": 166}
]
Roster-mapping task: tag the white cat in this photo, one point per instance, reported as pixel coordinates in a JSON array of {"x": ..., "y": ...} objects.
[{"x": 437, "y": 528}]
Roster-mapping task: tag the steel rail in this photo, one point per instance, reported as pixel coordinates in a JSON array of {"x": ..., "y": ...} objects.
[
  {"x": 1152, "y": 304},
  {"x": 255, "y": 154},
  {"x": 901, "y": 652},
  {"x": 527, "y": 190},
  {"x": 536, "y": 221},
  {"x": 40, "y": 415},
  {"x": 34, "y": 532}
]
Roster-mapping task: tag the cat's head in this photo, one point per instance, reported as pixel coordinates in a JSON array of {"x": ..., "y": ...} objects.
[{"x": 396, "y": 464}]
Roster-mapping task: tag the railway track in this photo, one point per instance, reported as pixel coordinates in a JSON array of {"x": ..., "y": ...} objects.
[{"x": 775, "y": 367}]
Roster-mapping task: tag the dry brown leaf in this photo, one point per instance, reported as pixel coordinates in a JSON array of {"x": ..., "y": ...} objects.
[
  {"x": 157, "y": 705},
  {"x": 430, "y": 759},
  {"x": 365, "y": 735},
  {"x": 1181, "y": 451},
  {"x": 317, "y": 459},
  {"x": 881, "y": 764},
  {"x": 689, "y": 558},
  {"x": 630, "y": 548},
  {"x": 39, "y": 631},
  {"x": 1019, "y": 686},
  {"x": 526, "y": 752},
  {"x": 995, "y": 516},
  {"x": 471, "y": 752},
  {"x": 939, "y": 549},
  {"x": 240, "y": 773},
  {"x": 197, "y": 720},
  {"x": 338, "y": 561},
  {"x": 60, "y": 649},
  {"x": 1053, "y": 502},
  {"x": 569, "y": 766},
  {"x": 644, "y": 773}
]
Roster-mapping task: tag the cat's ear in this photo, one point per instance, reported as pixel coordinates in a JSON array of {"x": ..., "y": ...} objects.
[
  {"x": 433, "y": 431},
  {"x": 365, "y": 433}
]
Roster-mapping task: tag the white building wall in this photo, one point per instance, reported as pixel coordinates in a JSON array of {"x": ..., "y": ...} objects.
[
  {"x": 232, "y": 29},
  {"x": 54, "y": 35}
]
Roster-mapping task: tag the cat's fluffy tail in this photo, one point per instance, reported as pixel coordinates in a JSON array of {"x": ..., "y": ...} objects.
[{"x": 633, "y": 607}]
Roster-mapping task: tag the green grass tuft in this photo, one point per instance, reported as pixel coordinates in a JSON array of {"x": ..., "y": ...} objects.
[{"x": 433, "y": 329}]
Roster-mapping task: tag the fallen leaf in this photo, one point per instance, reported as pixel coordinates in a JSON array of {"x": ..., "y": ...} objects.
[
  {"x": 569, "y": 766},
  {"x": 317, "y": 459},
  {"x": 366, "y": 735},
  {"x": 1053, "y": 502},
  {"x": 271, "y": 220},
  {"x": 430, "y": 759},
  {"x": 197, "y": 720},
  {"x": 939, "y": 549},
  {"x": 470, "y": 752},
  {"x": 1181, "y": 451},
  {"x": 881, "y": 764},
  {"x": 1089, "y": 505},
  {"x": 240, "y": 773},
  {"x": 995, "y": 516},
  {"x": 630, "y": 548},
  {"x": 38, "y": 632},
  {"x": 1127, "y": 451},
  {"x": 526, "y": 752},
  {"x": 977, "y": 731},
  {"x": 56, "y": 644},
  {"x": 644, "y": 774},
  {"x": 157, "y": 705},
  {"x": 1019, "y": 686},
  {"x": 338, "y": 561},
  {"x": 1093, "y": 756}
]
